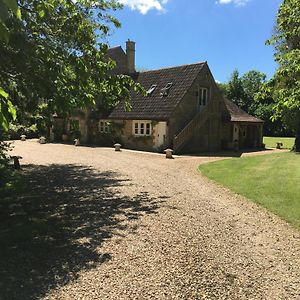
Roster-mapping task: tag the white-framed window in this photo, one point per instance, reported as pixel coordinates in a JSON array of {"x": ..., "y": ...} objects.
[
  {"x": 142, "y": 128},
  {"x": 104, "y": 126},
  {"x": 151, "y": 89},
  {"x": 165, "y": 91},
  {"x": 202, "y": 96}
]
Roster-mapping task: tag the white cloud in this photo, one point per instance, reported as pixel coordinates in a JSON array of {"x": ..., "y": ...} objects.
[
  {"x": 235, "y": 2},
  {"x": 143, "y": 6}
]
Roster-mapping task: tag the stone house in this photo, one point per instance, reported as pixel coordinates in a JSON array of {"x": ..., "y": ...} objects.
[{"x": 183, "y": 110}]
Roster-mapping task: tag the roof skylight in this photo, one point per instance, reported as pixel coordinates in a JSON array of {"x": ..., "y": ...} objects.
[
  {"x": 165, "y": 91},
  {"x": 152, "y": 89}
]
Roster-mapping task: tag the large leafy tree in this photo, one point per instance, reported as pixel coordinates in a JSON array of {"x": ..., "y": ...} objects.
[
  {"x": 285, "y": 85},
  {"x": 7, "y": 110},
  {"x": 235, "y": 90},
  {"x": 252, "y": 82},
  {"x": 54, "y": 56},
  {"x": 245, "y": 91}
]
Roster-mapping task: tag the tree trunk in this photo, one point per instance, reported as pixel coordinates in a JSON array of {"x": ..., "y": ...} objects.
[{"x": 297, "y": 140}]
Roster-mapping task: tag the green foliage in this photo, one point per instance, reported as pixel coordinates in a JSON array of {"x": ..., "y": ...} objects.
[
  {"x": 7, "y": 7},
  {"x": 55, "y": 56},
  {"x": 10, "y": 181},
  {"x": 235, "y": 90},
  {"x": 269, "y": 180},
  {"x": 252, "y": 82},
  {"x": 4, "y": 157},
  {"x": 7, "y": 110},
  {"x": 245, "y": 91},
  {"x": 285, "y": 85},
  {"x": 15, "y": 130}
]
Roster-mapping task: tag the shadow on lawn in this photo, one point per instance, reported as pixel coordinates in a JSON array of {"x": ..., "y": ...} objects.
[
  {"x": 53, "y": 229},
  {"x": 229, "y": 153}
]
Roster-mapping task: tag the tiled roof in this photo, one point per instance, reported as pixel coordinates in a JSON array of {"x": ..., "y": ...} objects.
[
  {"x": 233, "y": 113},
  {"x": 154, "y": 106},
  {"x": 114, "y": 52}
]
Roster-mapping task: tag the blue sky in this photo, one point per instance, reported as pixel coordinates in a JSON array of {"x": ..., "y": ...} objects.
[{"x": 228, "y": 34}]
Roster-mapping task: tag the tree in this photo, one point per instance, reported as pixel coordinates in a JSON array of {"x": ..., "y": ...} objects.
[
  {"x": 285, "y": 85},
  {"x": 242, "y": 90},
  {"x": 246, "y": 93},
  {"x": 7, "y": 110},
  {"x": 55, "y": 56},
  {"x": 235, "y": 90},
  {"x": 252, "y": 82}
]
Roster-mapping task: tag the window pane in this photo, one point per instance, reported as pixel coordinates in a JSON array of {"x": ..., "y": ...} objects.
[
  {"x": 136, "y": 128},
  {"x": 200, "y": 97},
  {"x": 142, "y": 128},
  {"x": 147, "y": 128},
  {"x": 204, "y": 96}
]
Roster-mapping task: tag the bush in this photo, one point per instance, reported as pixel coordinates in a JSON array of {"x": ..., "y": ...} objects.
[{"x": 15, "y": 130}]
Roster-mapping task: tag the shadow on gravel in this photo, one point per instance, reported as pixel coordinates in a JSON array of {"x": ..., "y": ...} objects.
[{"x": 55, "y": 228}]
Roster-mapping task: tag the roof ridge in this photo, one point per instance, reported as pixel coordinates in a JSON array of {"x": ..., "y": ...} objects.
[
  {"x": 119, "y": 46},
  {"x": 174, "y": 67}
]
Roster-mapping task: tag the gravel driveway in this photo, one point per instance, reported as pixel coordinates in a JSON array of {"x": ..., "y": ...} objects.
[{"x": 133, "y": 225}]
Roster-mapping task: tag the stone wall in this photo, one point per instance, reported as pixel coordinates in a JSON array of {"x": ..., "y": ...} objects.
[
  {"x": 208, "y": 137},
  {"x": 144, "y": 143},
  {"x": 119, "y": 56}
]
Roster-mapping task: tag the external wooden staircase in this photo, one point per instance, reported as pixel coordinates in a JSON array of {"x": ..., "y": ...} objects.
[{"x": 182, "y": 138}]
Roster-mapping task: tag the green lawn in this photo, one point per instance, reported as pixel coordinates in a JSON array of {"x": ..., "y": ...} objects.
[
  {"x": 270, "y": 142},
  {"x": 270, "y": 180},
  {"x": 10, "y": 181}
]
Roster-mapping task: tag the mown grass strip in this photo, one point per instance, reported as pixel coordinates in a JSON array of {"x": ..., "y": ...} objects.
[
  {"x": 271, "y": 142},
  {"x": 269, "y": 180}
]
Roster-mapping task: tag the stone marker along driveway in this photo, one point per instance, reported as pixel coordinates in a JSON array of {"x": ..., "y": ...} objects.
[{"x": 133, "y": 225}]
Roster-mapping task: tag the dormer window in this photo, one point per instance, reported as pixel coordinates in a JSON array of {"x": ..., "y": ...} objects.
[
  {"x": 151, "y": 90},
  {"x": 165, "y": 91}
]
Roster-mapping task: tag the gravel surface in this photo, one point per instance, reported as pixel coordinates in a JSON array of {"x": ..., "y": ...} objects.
[{"x": 144, "y": 227}]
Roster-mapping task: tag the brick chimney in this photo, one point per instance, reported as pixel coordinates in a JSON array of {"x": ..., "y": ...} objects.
[{"x": 130, "y": 53}]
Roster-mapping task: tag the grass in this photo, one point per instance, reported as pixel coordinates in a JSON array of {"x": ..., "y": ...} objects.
[
  {"x": 270, "y": 142},
  {"x": 10, "y": 181},
  {"x": 269, "y": 180}
]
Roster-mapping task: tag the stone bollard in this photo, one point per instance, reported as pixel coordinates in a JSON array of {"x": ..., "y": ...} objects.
[
  {"x": 169, "y": 153},
  {"x": 117, "y": 147},
  {"x": 23, "y": 137},
  {"x": 77, "y": 142},
  {"x": 42, "y": 140},
  {"x": 16, "y": 160}
]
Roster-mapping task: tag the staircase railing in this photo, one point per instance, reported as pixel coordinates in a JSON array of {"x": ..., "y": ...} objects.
[{"x": 186, "y": 133}]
